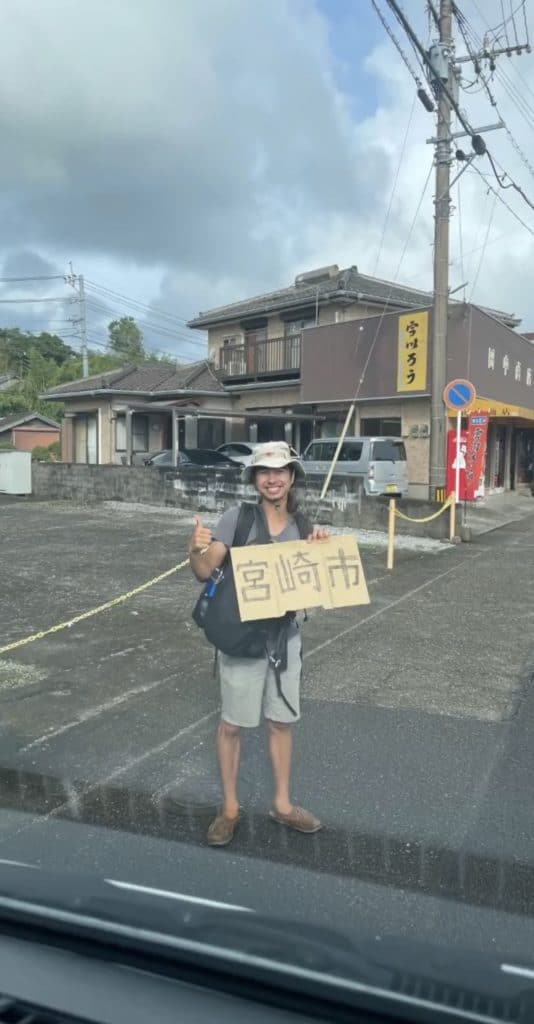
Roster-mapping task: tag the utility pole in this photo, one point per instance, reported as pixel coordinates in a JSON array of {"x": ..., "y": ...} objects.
[
  {"x": 83, "y": 326},
  {"x": 440, "y": 56},
  {"x": 443, "y": 72},
  {"x": 76, "y": 281}
]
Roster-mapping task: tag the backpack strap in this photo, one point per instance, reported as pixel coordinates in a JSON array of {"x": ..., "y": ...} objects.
[
  {"x": 244, "y": 523},
  {"x": 277, "y": 655}
]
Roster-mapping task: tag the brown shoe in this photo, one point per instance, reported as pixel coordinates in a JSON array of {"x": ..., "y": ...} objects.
[
  {"x": 299, "y": 819},
  {"x": 221, "y": 830}
]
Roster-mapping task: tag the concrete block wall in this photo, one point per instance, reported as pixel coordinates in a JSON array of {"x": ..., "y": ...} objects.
[{"x": 209, "y": 491}]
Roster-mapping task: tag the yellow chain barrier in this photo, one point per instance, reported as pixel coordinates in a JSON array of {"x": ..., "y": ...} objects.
[
  {"x": 94, "y": 611},
  {"x": 427, "y": 519},
  {"x": 150, "y": 583}
]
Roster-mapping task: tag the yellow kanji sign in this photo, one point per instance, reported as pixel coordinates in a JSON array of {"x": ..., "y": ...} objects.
[
  {"x": 412, "y": 351},
  {"x": 272, "y": 579}
]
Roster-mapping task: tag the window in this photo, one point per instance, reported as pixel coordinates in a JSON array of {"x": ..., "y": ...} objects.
[
  {"x": 388, "y": 451},
  {"x": 235, "y": 449},
  {"x": 321, "y": 451},
  {"x": 210, "y": 433},
  {"x": 332, "y": 428},
  {"x": 296, "y": 326},
  {"x": 139, "y": 432},
  {"x": 120, "y": 433},
  {"x": 351, "y": 452},
  {"x": 381, "y": 427}
]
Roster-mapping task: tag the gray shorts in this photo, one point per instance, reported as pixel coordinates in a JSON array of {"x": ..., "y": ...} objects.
[{"x": 248, "y": 685}]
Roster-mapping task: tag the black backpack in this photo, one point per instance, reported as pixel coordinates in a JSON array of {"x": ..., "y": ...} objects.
[{"x": 217, "y": 609}]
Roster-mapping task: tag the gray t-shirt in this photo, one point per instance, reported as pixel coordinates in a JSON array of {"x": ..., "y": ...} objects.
[{"x": 225, "y": 529}]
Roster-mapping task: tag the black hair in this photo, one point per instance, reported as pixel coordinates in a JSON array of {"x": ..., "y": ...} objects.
[{"x": 293, "y": 505}]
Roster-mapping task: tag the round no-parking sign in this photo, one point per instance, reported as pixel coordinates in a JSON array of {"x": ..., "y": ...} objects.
[{"x": 459, "y": 395}]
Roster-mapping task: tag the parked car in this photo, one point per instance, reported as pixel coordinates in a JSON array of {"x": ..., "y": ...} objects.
[
  {"x": 242, "y": 451},
  {"x": 380, "y": 462},
  {"x": 191, "y": 458}
]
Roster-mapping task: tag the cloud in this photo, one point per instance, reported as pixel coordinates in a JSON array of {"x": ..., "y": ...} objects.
[
  {"x": 222, "y": 148},
  {"x": 170, "y": 133}
]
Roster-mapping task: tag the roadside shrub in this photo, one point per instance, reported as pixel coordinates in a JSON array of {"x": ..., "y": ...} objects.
[
  {"x": 55, "y": 451},
  {"x": 41, "y": 454}
]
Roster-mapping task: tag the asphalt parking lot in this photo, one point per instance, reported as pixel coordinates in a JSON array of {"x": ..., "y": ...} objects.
[{"x": 415, "y": 709}]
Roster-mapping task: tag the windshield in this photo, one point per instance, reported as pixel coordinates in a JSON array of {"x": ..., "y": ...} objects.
[{"x": 236, "y": 665}]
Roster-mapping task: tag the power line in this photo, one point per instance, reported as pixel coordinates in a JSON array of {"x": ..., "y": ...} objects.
[
  {"x": 173, "y": 331},
  {"x": 460, "y": 115},
  {"x": 394, "y": 187},
  {"x": 172, "y": 358},
  {"x": 97, "y": 307},
  {"x": 165, "y": 332},
  {"x": 350, "y": 412},
  {"x": 397, "y": 45},
  {"x": 502, "y": 200},
  {"x": 46, "y": 298},
  {"x": 468, "y": 33},
  {"x": 46, "y": 277},
  {"x": 401, "y": 17},
  {"x": 464, "y": 29},
  {"x": 499, "y": 71},
  {"x": 484, "y": 245},
  {"x": 129, "y": 301},
  {"x": 460, "y": 232}
]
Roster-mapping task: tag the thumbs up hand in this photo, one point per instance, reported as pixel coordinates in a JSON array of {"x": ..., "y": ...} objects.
[{"x": 202, "y": 537}]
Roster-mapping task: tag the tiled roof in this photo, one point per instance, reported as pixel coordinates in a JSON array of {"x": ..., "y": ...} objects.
[
  {"x": 146, "y": 379},
  {"x": 348, "y": 285},
  {"x": 18, "y": 418}
]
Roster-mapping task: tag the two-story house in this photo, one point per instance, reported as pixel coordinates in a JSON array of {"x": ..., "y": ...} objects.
[{"x": 304, "y": 349}]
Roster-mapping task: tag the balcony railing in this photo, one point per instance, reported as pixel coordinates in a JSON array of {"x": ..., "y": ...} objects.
[{"x": 275, "y": 358}]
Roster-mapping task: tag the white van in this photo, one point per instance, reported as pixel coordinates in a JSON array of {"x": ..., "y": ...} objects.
[{"x": 379, "y": 461}]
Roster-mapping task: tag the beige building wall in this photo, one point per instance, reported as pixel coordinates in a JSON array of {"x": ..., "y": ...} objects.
[
  {"x": 217, "y": 335},
  {"x": 355, "y": 311},
  {"x": 276, "y": 326},
  {"x": 109, "y": 435},
  {"x": 102, "y": 410}
]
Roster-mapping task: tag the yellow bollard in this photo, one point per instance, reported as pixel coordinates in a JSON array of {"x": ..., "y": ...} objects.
[
  {"x": 452, "y": 525},
  {"x": 391, "y": 532}
]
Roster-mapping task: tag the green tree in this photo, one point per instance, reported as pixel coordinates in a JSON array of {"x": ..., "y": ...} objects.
[
  {"x": 53, "y": 348},
  {"x": 16, "y": 347},
  {"x": 126, "y": 340}
]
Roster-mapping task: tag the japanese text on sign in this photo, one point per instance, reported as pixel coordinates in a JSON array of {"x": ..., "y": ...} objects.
[
  {"x": 412, "y": 352},
  {"x": 273, "y": 579}
]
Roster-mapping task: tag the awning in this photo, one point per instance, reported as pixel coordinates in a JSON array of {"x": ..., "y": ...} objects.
[{"x": 499, "y": 410}]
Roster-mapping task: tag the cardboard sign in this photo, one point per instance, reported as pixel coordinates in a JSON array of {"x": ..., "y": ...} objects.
[{"x": 272, "y": 579}]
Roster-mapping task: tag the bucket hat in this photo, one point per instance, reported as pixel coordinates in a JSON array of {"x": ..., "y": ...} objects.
[{"x": 273, "y": 455}]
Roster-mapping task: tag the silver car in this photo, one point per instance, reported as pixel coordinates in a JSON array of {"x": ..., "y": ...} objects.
[{"x": 380, "y": 462}]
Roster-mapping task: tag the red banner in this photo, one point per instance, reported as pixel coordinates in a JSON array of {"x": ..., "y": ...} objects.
[
  {"x": 451, "y": 462},
  {"x": 477, "y": 444},
  {"x": 472, "y": 457}
]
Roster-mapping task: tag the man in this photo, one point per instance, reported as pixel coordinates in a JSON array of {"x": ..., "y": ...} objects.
[{"x": 248, "y": 685}]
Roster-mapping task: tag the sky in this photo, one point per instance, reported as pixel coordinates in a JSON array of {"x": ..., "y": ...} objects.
[{"x": 184, "y": 156}]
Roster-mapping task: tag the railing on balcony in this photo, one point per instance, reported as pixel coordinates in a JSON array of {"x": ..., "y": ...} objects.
[{"x": 276, "y": 357}]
